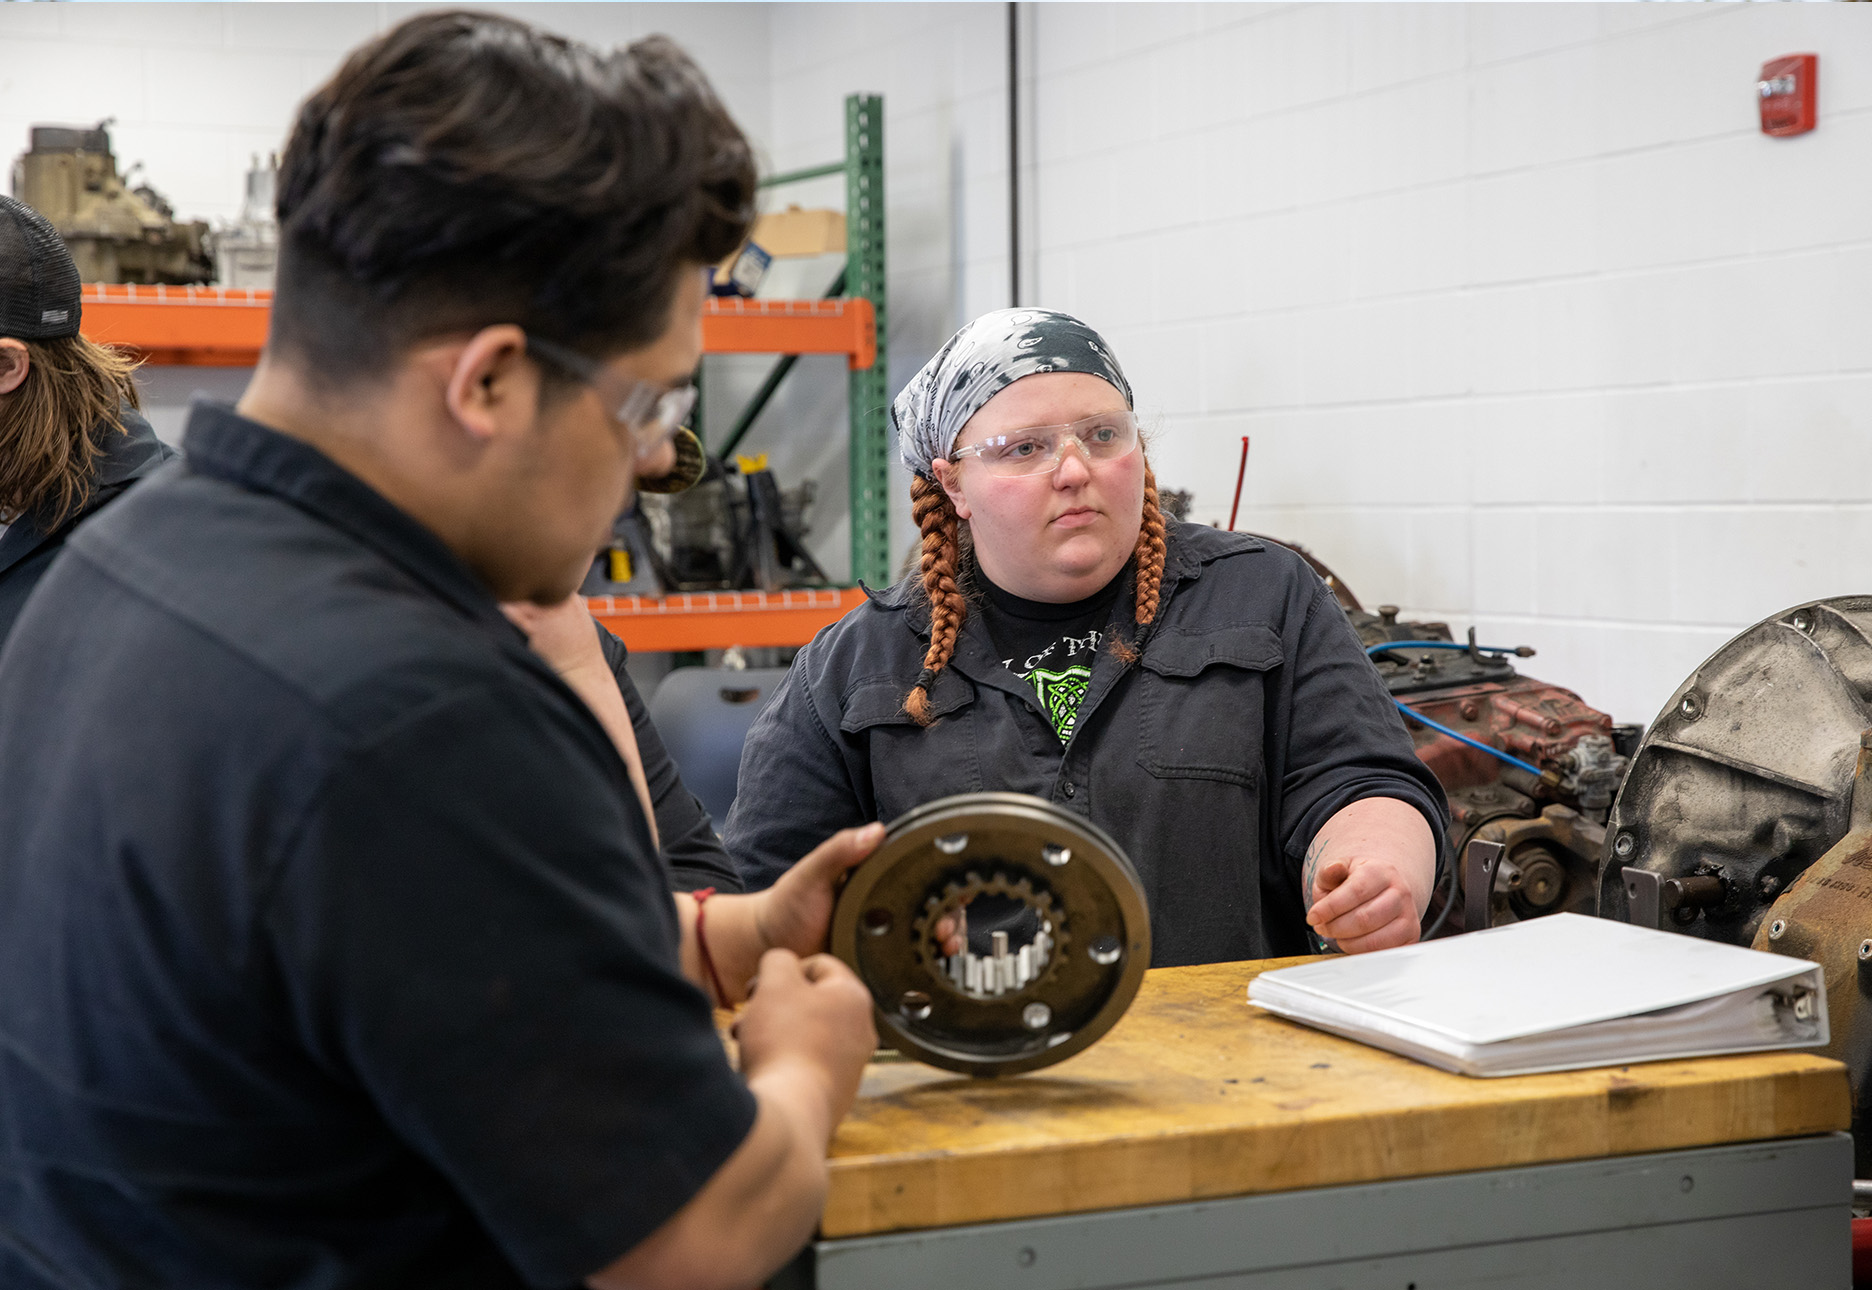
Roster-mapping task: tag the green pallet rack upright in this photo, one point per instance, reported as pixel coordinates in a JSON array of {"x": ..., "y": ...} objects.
[
  {"x": 869, "y": 444},
  {"x": 864, "y": 276}
]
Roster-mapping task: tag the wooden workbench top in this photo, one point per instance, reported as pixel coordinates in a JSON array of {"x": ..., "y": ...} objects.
[{"x": 1195, "y": 1094}]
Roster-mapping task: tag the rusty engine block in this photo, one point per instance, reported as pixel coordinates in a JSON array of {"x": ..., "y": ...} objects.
[
  {"x": 1472, "y": 717},
  {"x": 1549, "y": 812},
  {"x": 116, "y": 233}
]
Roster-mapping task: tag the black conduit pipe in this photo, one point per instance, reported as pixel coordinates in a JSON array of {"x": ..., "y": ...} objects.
[{"x": 1014, "y": 209}]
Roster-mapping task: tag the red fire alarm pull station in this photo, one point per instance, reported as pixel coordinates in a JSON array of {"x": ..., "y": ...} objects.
[{"x": 1787, "y": 89}]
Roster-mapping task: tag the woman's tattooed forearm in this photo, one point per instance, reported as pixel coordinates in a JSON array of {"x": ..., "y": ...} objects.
[
  {"x": 1309, "y": 869},
  {"x": 1310, "y": 866}
]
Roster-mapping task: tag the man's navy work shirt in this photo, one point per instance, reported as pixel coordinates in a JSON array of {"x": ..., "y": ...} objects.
[{"x": 333, "y": 948}]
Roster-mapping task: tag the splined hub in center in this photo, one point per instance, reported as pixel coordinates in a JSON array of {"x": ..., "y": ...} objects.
[{"x": 1012, "y": 932}]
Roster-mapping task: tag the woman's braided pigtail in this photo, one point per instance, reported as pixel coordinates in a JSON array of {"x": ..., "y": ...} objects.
[
  {"x": 1150, "y": 552},
  {"x": 1150, "y": 564},
  {"x": 941, "y": 556}
]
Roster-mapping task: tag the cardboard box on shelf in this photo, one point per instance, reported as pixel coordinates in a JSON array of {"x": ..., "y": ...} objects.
[
  {"x": 788, "y": 234},
  {"x": 800, "y": 232}
]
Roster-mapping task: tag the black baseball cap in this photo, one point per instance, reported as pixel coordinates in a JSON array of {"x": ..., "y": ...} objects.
[{"x": 39, "y": 287}]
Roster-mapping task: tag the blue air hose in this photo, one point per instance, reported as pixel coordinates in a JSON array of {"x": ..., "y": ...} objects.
[
  {"x": 1438, "y": 726},
  {"x": 1382, "y": 646}
]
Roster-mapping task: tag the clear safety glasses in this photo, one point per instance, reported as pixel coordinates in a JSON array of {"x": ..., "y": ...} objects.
[
  {"x": 651, "y": 412},
  {"x": 1038, "y": 451}
]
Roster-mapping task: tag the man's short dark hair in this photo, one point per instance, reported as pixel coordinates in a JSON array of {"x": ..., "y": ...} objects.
[{"x": 465, "y": 169}]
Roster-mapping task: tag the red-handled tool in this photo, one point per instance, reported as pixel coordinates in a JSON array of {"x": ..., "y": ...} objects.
[{"x": 1241, "y": 473}]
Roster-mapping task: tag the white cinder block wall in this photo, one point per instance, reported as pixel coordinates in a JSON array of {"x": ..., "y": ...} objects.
[{"x": 1530, "y": 326}]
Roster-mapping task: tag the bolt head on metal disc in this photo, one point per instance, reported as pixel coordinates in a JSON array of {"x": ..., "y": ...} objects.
[{"x": 1056, "y": 925}]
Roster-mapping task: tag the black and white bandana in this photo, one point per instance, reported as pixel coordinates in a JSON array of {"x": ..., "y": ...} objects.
[{"x": 985, "y": 358}]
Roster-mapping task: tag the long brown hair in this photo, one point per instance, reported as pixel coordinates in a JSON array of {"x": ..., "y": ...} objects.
[
  {"x": 53, "y": 425},
  {"x": 942, "y": 557}
]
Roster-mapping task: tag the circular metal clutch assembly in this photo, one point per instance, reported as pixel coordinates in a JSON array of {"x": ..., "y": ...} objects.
[{"x": 1054, "y": 928}]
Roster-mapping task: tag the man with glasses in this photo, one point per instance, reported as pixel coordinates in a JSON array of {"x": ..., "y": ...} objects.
[
  {"x": 1197, "y": 694},
  {"x": 335, "y": 948}
]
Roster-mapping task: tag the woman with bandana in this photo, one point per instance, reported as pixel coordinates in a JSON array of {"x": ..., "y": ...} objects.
[{"x": 1197, "y": 694}]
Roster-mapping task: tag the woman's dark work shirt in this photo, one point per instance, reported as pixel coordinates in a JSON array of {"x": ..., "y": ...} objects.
[
  {"x": 333, "y": 948},
  {"x": 1250, "y": 717}
]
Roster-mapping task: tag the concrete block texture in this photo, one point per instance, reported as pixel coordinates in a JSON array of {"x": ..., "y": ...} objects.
[{"x": 1529, "y": 325}]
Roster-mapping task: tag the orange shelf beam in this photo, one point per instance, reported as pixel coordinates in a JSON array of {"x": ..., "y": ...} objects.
[
  {"x": 223, "y": 327},
  {"x": 701, "y": 620},
  {"x": 180, "y": 326},
  {"x": 734, "y": 326}
]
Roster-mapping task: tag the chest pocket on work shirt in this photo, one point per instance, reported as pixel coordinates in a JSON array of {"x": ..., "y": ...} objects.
[
  {"x": 1201, "y": 700},
  {"x": 912, "y": 764}
]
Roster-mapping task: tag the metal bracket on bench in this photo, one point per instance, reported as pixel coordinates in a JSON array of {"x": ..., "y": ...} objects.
[
  {"x": 1480, "y": 861},
  {"x": 1644, "y": 896}
]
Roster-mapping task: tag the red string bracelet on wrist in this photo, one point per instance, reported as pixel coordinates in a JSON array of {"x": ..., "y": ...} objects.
[{"x": 708, "y": 964}]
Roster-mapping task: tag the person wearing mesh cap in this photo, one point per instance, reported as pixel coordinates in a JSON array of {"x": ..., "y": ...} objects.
[{"x": 71, "y": 438}]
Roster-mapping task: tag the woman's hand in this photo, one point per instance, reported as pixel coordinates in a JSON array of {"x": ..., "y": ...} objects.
[{"x": 1368, "y": 875}]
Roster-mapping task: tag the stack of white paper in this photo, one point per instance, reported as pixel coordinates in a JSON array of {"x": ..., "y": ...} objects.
[{"x": 1557, "y": 994}]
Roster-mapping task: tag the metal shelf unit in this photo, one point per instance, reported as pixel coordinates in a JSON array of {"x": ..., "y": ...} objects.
[
  {"x": 704, "y": 620},
  {"x": 869, "y": 386},
  {"x": 868, "y": 392},
  {"x": 225, "y": 327},
  {"x": 179, "y": 326}
]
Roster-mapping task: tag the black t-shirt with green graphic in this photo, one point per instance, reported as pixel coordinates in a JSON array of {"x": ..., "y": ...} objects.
[{"x": 1051, "y": 647}]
